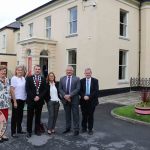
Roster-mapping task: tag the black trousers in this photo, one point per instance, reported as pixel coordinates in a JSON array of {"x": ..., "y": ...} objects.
[
  {"x": 87, "y": 110},
  {"x": 34, "y": 109},
  {"x": 17, "y": 116}
]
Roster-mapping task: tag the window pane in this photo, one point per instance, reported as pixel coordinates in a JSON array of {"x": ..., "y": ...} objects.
[
  {"x": 48, "y": 22},
  {"x": 48, "y": 33},
  {"x": 72, "y": 57},
  {"x": 120, "y": 73},
  {"x": 122, "y": 58},
  {"x": 121, "y": 30},
  {"x": 31, "y": 29},
  {"x": 123, "y": 72},
  {"x": 74, "y": 67},
  {"x": 121, "y": 17},
  {"x": 122, "y": 64},
  {"x": 48, "y": 27},
  {"x": 73, "y": 14},
  {"x": 125, "y": 18},
  {"x": 123, "y": 23},
  {"x": 73, "y": 27},
  {"x": 124, "y": 30},
  {"x": 73, "y": 20}
]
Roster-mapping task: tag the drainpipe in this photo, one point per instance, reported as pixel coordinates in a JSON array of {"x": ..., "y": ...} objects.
[{"x": 139, "y": 73}]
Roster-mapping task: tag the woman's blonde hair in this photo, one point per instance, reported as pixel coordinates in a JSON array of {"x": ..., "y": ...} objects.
[{"x": 17, "y": 67}]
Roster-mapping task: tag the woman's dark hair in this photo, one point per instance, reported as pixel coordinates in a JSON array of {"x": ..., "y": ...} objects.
[
  {"x": 47, "y": 79},
  {"x": 2, "y": 67}
]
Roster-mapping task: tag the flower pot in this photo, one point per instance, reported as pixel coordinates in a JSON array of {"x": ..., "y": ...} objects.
[{"x": 142, "y": 110}]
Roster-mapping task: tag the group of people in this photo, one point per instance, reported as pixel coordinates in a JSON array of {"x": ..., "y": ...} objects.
[{"x": 35, "y": 90}]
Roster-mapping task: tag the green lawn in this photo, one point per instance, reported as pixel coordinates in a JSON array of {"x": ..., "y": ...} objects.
[{"x": 128, "y": 111}]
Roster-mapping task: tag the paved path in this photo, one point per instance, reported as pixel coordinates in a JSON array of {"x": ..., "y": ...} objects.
[
  {"x": 109, "y": 133},
  {"x": 124, "y": 99}
]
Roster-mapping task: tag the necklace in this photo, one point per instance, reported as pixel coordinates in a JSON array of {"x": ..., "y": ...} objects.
[
  {"x": 3, "y": 80},
  {"x": 37, "y": 85}
]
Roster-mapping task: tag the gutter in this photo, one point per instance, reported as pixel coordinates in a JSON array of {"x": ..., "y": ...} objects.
[{"x": 139, "y": 73}]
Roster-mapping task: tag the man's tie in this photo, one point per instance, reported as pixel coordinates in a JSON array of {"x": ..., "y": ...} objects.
[
  {"x": 68, "y": 86},
  {"x": 37, "y": 81},
  {"x": 87, "y": 87}
]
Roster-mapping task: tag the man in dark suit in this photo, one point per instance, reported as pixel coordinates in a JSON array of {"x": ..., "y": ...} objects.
[
  {"x": 69, "y": 87},
  {"x": 35, "y": 88},
  {"x": 89, "y": 100}
]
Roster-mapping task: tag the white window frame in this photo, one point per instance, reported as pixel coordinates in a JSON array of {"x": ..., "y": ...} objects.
[
  {"x": 124, "y": 24},
  {"x": 124, "y": 80},
  {"x": 3, "y": 41},
  {"x": 31, "y": 30},
  {"x": 71, "y": 21},
  {"x": 48, "y": 29},
  {"x": 75, "y": 65}
]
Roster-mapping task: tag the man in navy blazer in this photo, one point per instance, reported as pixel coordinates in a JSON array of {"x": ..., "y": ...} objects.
[
  {"x": 89, "y": 99},
  {"x": 69, "y": 87}
]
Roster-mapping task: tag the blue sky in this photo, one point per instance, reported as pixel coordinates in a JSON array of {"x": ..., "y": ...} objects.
[{"x": 11, "y": 9}]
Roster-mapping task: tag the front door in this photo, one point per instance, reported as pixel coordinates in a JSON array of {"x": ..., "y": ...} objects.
[{"x": 44, "y": 66}]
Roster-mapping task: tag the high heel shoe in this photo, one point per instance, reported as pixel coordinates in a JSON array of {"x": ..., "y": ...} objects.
[
  {"x": 49, "y": 132},
  {"x": 53, "y": 131}
]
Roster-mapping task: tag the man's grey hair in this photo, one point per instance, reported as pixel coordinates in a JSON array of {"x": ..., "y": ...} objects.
[
  {"x": 88, "y": 69},
  {"x": 69, "y": 66}
]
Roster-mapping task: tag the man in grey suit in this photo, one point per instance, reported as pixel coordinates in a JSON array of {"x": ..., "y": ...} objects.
[{"x": 69, "y": 88}]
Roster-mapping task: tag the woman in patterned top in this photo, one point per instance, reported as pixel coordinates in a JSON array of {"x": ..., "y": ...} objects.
[{"x": 4, "y": 96}]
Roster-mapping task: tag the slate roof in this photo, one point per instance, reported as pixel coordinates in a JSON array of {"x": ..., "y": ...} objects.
[{"x": 14, "y": 25}]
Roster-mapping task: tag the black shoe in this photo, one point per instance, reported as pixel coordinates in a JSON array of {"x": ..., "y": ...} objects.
[
  {"x": 22, "y": 132},
  {"x": 84, "y": 130},
  {"x": 5, "y": 138},
  {"x": 90, "y": 132},
  {"x": 29, "y": 135},
  {"x": 76, "y": 133},
  {"x": 14, "y": 135},
  {"x": 1, "y": 140},
  {"x": 66, "y": 131}
]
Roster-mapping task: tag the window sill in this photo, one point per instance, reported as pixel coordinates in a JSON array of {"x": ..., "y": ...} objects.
[
  {"x": 124, "y": 38},
  {"x": 123, "y": 82},
  {"x": 72, "y": 35}
]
